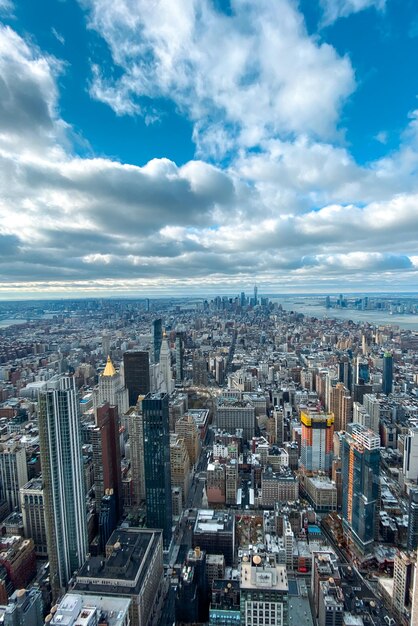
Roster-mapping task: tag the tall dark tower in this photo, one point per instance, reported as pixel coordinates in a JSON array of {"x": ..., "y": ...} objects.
[
  {"x": 412, "y": 543},
  {"x": 179, "y": 358},
  {"x": 157, "y": 463},
  {"x": 106, "y": 456},
  {"x": 387, "y": 378},
  {"x": 157, "y": 326},
  {"x": 136, "y": 368}
]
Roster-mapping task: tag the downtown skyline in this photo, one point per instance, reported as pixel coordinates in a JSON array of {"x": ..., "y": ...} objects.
[{"x": 204, "y": 146}]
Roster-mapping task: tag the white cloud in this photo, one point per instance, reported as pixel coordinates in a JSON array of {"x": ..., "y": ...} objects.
[
  {"x": 334, "y": 9},
  {"x": 240, "y": 78},
  {"x": 297, "y": 214}
]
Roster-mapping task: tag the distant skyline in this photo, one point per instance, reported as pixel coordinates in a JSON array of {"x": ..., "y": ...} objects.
[{"x": 201, "y": 146}]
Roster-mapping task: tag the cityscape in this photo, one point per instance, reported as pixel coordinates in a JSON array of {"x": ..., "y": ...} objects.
[
  {"x": 208, "y": 313},
  {"x": 206, "y": 461}
]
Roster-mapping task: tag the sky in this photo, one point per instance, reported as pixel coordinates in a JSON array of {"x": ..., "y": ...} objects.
[{"x": 160, "y": 147}]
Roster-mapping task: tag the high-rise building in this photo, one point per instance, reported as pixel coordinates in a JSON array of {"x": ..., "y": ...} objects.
[
  {"x": 106, "y": 455},
  {"x": 264, "y": 591},
  {"x": 63, "y": 479},
  {"x": 414, "y": 603},
  {"x": 13, "y": 472},
  {"x": 232, "y": 413},
  {"x": 317, "y": 441},
  {"x": 345, "y": 372},
  {"x": 25, "y": 608},
  {"x": 157, "y": 464},
  {"x": 412, "y": 541},
  {"x": 179, "y": 358},
  {"x": 165, "y": 365},
  {"x": 331, "y": 604},
  {"x": 410, "y": 455},
  {"x": 111, "y": 389},
  {"x": 136, "y": 442},
  {"x": 137, "y": 374},
  {"x": 341, "y": 405},
  {"x": 387, "y": 376},
  {"x": 200, "y": 370},
  {"x": 187, "y": 428},
  {"x": 324, "y": 567},
  {"x": 33, "y": 514},
  {"x": 157, "y": 331},
  {"x": 403, "y": 572},
  {"x": 360, "y": 452},
  {"x": 180, "y": 465},
  {"x": 362, "y": 371}
]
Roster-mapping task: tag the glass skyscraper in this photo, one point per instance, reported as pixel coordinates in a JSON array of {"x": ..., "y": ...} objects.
[
  {"x": 157, "y": 464},
  {"x": 63, "y": 480},
  {"x": 157, "y": 326},
  {"x": 360, "y": 453},
  {"x": 387, "y": 378}
]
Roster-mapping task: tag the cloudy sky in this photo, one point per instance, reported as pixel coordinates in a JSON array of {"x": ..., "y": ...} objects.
[{"x": 198, "y": 146}]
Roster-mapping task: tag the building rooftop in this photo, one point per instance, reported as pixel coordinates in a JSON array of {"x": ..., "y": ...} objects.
[{"x": 85, "y": 609}]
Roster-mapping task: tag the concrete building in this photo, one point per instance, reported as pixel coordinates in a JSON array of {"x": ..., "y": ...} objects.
[
  {"x": 33, "y": 514},
  {"x": 186, "y": 428},
  {"x": 136, "y": 443},
  {"x": 403, "y": 572},
  {"x": 341, "y": 405},
  {"x": 214, "y": 532},
  {"x": 281, "y": 486},
  {"x": 410, "y": 455},
  {"x": 25, "y": 608},
  {"x": 133, "y": 569},
  {"x": 321, "y": 492},
  {"x": 331, "y": 604},
  {"x": 180, "y": 465},
  {"x": 232, "y": 414},
  {"x": 13, "y": 472},
  {"x": 90, "y": 610},
  {"x": 215, "y": 483},
  {"x": 264, "y": 591}
]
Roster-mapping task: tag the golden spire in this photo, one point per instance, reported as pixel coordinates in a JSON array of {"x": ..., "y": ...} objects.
[{"x": 109, "y": 370}]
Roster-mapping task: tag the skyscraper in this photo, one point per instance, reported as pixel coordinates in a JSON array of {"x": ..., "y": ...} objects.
[
  {"x": 13, "y": 472},
  {"x": 360, "y": 451},
  {"x": 63, "y": 478},
  {"x": 157, "y": 327},
  {"x": 387, "y": 377},
  {"x": 111, "y": 389},
  {"x": 137, "y": 377},
  {"x": 179, "y": 358},
  {"x": 157, "y": 464},
  {"x": 412, "y": 542},
  {"x": 317, "y": 441},
  {"x": 165, "y": 366},
  {"x": 106, "y": 455}
]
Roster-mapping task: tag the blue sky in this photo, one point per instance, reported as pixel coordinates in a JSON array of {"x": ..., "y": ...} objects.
[{"x": 160, "y": 147}]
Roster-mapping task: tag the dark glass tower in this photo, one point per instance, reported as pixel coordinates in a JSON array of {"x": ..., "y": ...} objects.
[
  {"x": 413, "y": 520},
  {"x": 157, "y": 464},
  {"x": 157, "y": 326},
  {"x": 360, "y": 476},
  {"x": 136, "y": 369},
  {"x": 387, "y": 377}
]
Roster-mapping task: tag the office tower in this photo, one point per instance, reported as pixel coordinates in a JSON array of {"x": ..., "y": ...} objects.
[
  {"x": 345, "y": 372},
  {"x": 192, "y": 601},
  {"x": 200, "y": 370},
  {"x": 165, "y": 365},
  {"x": 360, "y": 452},
  {"x": 264, "y": 591},
  {"x": 136, "y": 441},
  {"x": 410, "y": 455},
  {"x": 13, "y": 472},
  {"x": 137, "y": 374},
  {"x": 255, "y": 295},
  {"x": 108, "y": 518},
  {"x": 157, "y": 464},
  {"x": 187, "y": 428},
  {"x": 157, "y": 329},
  {"x": 180, "y": 465},
  {"x": 372, "y": 405},
  {"x": 106, "y": 455},
  {"x": 412, "y": 541},
  {"x": 219, "y": 370},
  {"x": 25, "y": 608},
  {"x": 362, "y": 371},
  {"x": 341, "y": 405},
  {"x": 331, "y": 604},
  {"x": 214, "y": 532},
  {"x": 105, "y": 344},
  {"x": 63, "y": 479},
  {"x": 232, "y": 414},
  {"x": 316, "y": 441},
  {"x": 243, "y": 299},
  {"x": 133, "y": 569},
  {"x": 387, "y": 376},
  {"x": 403, "y": 572},
  {"x": 231, "y": 481},
  {"x": 33, "y": 514},
  {"x": 111, "y": 389},
  {"x": 179, "y": 358}
]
